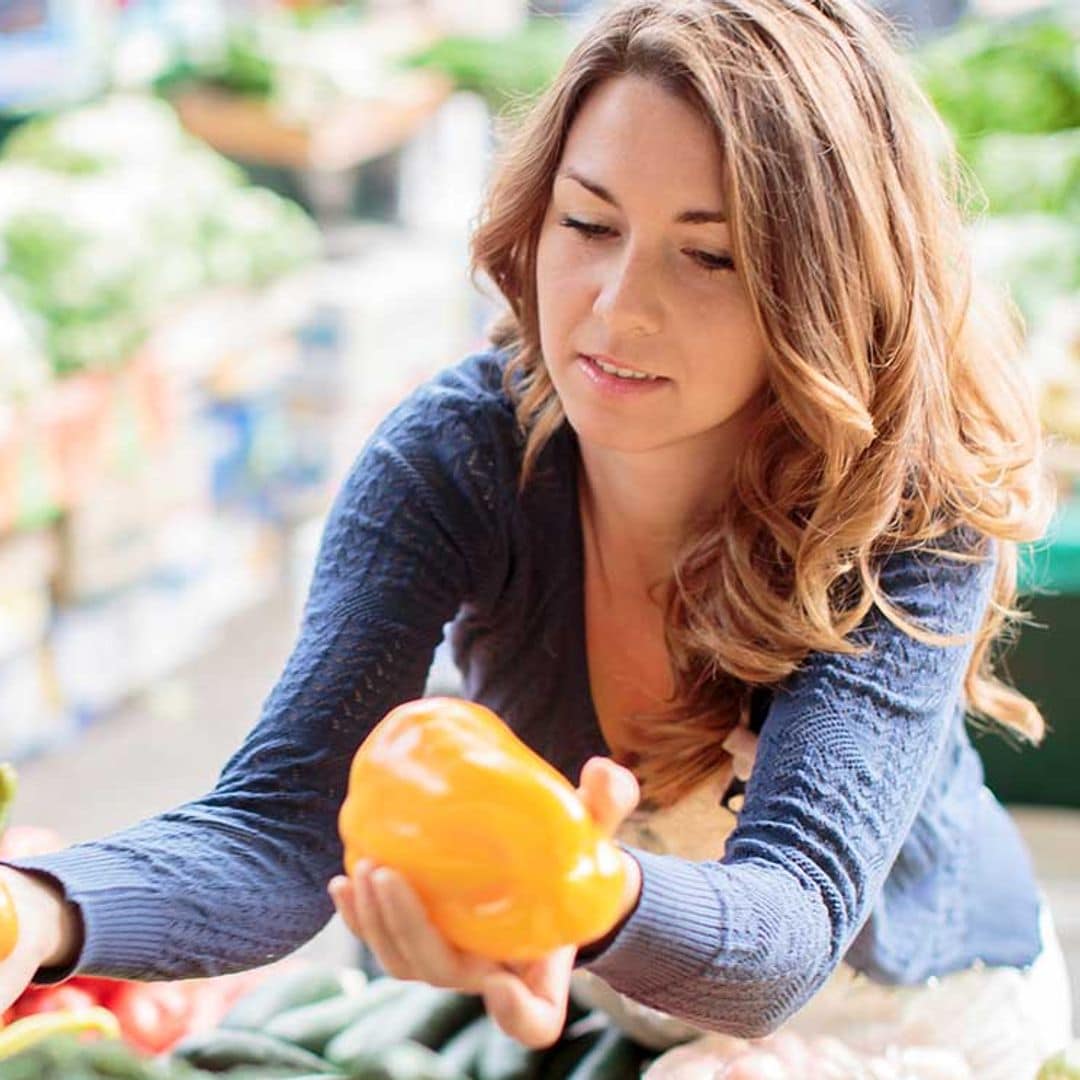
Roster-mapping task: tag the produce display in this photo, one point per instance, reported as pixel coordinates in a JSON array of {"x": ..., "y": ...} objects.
[
  {"x": 150, "y": 1017},
  {"x": 301, "y": 63},
  {"x": 394, "y": 1030},
  {"x": 32, "y": 1030},
  {"x": 315, "y": 1022},
  {"x": 501, "y": 69},
  {"x": 424, "y": 760},
  {"x": 294, "y": 1026},
  {"x": 1009, "y": 90},
  {"x": 444, "y": 792},
  {"x": 65, "y": 1057},
  {"x": 1063, "y": 1066},
  {"x": 786, "y": 1056},
  {"x": 1016, "y": 74},
  {"x": 305, "y": 63},
  {"x": 111, "y": 214}
]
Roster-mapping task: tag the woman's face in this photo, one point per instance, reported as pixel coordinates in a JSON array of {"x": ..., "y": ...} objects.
[{"x": 634, "y": 271}]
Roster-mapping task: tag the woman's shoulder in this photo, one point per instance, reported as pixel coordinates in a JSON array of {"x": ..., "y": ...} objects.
[
  {"x": 472, "y": 388},
  {"x": 479, "y": 376},
  {"x": 455, "y": 435},
  {"x": 944, "y": 583},
  {"x": 462, "y": 407}
]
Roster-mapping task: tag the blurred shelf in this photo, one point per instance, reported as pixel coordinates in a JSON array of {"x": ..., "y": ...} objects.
[
  {"x": 53, "y": 448},
  {"x": 353, "y": 133}
]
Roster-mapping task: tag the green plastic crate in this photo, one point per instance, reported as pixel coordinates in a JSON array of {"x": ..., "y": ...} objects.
[{"x": 1045, "y": 665}]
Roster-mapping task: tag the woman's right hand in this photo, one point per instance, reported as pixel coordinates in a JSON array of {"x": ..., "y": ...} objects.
[{"x": 48, "y": 931}]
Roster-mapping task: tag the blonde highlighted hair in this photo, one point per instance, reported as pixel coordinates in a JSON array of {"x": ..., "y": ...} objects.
[{"x": 895, "y": 410}]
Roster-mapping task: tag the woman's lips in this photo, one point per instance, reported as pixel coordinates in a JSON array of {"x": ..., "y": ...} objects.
[{"x": 617, "y": 384}]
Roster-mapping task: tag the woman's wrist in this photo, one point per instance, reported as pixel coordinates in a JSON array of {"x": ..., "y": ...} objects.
[
  {"x": 630, "y": 897},
  {"x": 632, "y": 886},
  {"x": 49, "y": 922}
]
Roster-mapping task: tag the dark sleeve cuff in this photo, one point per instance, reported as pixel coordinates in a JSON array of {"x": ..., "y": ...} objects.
[
  {"x": 594, "y": 949},
  {"x": 49, "y": 976}
]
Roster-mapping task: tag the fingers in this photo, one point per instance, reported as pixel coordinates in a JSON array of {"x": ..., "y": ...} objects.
[
  {"x": 609, "y": 791},
  {"x": 532, "y": 1021},
  {"x": 424, "y": 949},
  {"x": 531, "y": 1006},
  {"x": 365, "y": 919},
  {"x": 528, "y": 1001},
  {"x": 379, "y": 906},
  {"x": 341, "y": 892}
]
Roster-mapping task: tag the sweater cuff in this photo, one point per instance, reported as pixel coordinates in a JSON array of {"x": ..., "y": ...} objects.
[
  {"x": 113, "y": 911},
  {"x": 660, "y": 944}
]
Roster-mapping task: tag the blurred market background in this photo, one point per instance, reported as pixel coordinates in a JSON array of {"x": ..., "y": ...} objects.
[{"x": 234, "y": 232}]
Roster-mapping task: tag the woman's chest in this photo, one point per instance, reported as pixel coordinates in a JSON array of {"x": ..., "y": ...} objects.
[{"x": 627, "y": 659}]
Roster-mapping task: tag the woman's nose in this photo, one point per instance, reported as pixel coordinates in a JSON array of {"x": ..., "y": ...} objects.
[{"x": 628, "y": 300}]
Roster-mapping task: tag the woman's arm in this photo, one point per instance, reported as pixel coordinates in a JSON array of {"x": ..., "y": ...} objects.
[
  {"x": 842, "y": 765},
  {"x": 238, "y": 877}
]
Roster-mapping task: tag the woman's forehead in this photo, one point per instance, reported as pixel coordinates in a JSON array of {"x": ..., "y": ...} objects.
[{"x": 633, "y": 133}]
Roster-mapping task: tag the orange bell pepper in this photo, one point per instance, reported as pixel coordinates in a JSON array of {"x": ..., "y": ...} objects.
[
  {"x": 504, "y": 855},
  {"x": 9, "y": 919},
  {"x": 9, "y": 923}
]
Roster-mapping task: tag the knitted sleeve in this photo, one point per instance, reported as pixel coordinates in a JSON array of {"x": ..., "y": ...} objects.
[{"x": 238, "y": 877}]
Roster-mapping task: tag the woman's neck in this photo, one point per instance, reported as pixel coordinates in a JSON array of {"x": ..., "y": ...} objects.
[{"x": 639, "y": 509}]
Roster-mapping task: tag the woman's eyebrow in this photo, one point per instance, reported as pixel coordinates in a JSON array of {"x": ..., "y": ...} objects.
[{"x": 687, "y": 217}]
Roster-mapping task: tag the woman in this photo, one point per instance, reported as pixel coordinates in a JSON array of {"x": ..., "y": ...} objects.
[{"x": 732, "y": 503}]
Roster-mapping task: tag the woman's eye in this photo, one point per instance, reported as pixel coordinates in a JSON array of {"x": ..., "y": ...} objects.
[
  {"x": 585, "y": 228},
  {"x": 713, "y": 262},
  {"x": 708, "y": 260}
]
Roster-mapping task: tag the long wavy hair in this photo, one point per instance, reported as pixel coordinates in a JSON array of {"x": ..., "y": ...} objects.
[{"x": 895, "y": 411}]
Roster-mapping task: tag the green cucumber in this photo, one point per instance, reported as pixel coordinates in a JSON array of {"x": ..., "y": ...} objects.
[
  {"x": 426, "y": 1015},
  {"x": 221, "y": 1050},
  {"x": 313, "y": 1026},
  {"x": 615, "y": 1056},
  {"x": 462, "y": 1050},
  {"x": 402, "y": 1061},
  {"x": 290, "y": 990},
  {"x": 261, "y": 1072},
  {"x": 504, "y": 1058}
]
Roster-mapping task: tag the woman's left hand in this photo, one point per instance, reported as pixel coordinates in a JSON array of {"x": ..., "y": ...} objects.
[{"x": 527, "y": 1000}]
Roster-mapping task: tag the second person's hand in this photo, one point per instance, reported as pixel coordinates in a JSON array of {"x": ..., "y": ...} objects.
[
  {"x": 47, "y": 932},
  {"x": 527, "y": 1000}
]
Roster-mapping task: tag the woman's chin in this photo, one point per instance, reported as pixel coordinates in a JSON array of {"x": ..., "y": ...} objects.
[{"x": 613, "y": 435}]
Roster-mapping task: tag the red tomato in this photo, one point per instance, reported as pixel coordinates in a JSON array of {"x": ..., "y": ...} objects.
[
  {"x": 43, "y": 999},
  {"x": 101, "y": 990},
  {"x": 153, "y": 1016}
]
